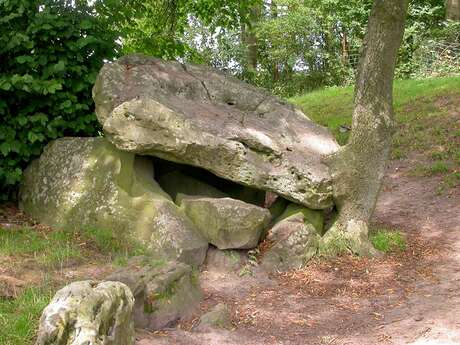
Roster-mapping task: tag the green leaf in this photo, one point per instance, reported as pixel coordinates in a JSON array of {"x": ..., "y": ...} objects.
[
  {"x": 59, "y": 67},
  {"x": 5, "y": 148},
  {"x": 24, "y": 59},
  {"x": 32, "y": 137},
  {"x": 5, "y": 86},
  {"x": 86, "y": 24}
]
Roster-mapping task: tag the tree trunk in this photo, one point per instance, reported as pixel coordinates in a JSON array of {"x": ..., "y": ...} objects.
[
  {"x": 357, "y": 168},
  {"x": 249, "y": 39},
  {"x": 453, "y": 9}
]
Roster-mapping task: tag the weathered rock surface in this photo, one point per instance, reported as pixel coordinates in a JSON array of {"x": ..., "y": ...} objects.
[
  {"x": 294, "y": 243},
  {"x": 196, "y": 115},
  {"x": 225, "y": 260},
  {"x": 163, "y": 292},
  {"x": 314, "y": 217},
  {"x": 218, "y": 317},
  {"x": 89, "y": 312},
  {"x": 87, "y": 182},
  {"x": 226, "y": 223}
]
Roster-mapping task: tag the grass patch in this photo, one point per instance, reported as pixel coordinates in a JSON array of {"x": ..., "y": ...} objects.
[
  {"x": 388, "y": 241},
  {"x": 19, "y": 317},
  {"x": 49, "y": 249},
  {"x": 431, "y": 169},
  {"x": 449, "y": 181},
  {"x": 61, "y": 248},
  {"x": 423, "y": 114},
  {"x": 119, "y": 248}
]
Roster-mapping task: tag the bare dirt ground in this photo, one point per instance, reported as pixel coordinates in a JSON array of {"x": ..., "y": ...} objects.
[{"x": 405, "y": 298}]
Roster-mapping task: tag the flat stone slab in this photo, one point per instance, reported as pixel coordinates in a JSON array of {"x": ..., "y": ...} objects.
[
  {"x": 224, "y": 222},
  {"x": 199, "y": 116}
]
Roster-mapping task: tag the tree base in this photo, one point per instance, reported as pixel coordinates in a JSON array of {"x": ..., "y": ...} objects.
[{"x": 349, "y": 237}]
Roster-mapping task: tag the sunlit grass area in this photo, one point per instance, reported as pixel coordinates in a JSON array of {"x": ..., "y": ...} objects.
[{"x": 426, "y": 113}]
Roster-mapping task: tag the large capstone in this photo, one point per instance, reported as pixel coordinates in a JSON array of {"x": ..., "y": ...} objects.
[
  {"x": 89, "y": 312},
  {"x": 199, "y": 116},
  {"x": 80, "y": 183},
  {"x": 226, "y": 223},
  {"x": 164, "y": 292}
]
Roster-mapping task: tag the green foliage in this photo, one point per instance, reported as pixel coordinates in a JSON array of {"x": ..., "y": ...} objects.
[
  {"x": 19, "y": 317},
  {"x": 166, "y": 35},
  {"x": 51, "y": 52},
  {"x": 388, "y": 241}
]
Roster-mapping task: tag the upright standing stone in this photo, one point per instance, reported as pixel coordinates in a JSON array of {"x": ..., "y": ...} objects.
[{"x": 82, "y": 183}]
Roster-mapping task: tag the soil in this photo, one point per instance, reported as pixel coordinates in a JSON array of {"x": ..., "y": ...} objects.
[{"x": 410, "y": 297}]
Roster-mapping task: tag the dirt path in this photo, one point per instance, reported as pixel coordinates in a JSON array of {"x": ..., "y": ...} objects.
[{"x": 411, "y": 298}]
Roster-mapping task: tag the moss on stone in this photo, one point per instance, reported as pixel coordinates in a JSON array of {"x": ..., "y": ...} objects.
[{"x": 314, "y": 217}]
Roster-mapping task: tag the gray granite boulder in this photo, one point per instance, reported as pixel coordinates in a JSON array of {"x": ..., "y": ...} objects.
[
  {"x": 199, "y": 116},
  {"x": 82, "y": 183},
  {"x": 88, "y": 312},
  {"x": 226, "y": 223},
  {"x": 164, "y": 292}
]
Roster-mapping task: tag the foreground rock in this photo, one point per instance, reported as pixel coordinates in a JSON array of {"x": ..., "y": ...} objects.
[
  {"x": 218, "y": 317},
  {"x": 226, "y": 223},
  {"x": 87, "y": 183},
  {"x": 199, "y": 116},
  {"x": 293, "y": 243},
  {"x": 88, "y": 312},
  {"x": 163, "y": 292}
]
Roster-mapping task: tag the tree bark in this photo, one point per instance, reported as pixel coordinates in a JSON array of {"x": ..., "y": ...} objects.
[
  {"x": 357, "y": 168},
  {"x": 453, "y": 9},
  {"x": 249, "y": 39}
]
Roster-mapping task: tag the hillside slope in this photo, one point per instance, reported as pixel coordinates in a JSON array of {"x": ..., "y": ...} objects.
[{"x": 427, "y": 114}]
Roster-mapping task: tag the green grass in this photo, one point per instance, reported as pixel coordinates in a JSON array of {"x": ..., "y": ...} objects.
[
  {"x": 388, "y": 241},
  {"x": 60, "y": 248},
  {"x": 107, "y": 243},
  {"x": 333, "y": 106},
  {"x": 50, "y": 250},
  {"x": 423, "y": 114},
  {"x": 19, "y": 316}
]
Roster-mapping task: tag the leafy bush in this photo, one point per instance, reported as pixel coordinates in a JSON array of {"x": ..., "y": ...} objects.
[{"x": 51, "y": 52}]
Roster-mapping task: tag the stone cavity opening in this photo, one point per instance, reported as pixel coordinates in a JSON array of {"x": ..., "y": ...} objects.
[{"x": 175, "y": 178}]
